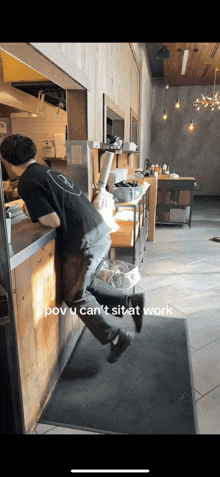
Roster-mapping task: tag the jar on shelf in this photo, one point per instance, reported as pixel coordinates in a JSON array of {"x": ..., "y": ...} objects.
[{"x": 164, "y": 169}]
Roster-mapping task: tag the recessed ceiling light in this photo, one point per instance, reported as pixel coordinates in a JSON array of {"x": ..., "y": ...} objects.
[{"x": 185, "y": 60}]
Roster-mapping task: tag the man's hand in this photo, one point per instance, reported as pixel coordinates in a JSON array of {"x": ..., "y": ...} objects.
[{"x": 24, "y": 208}]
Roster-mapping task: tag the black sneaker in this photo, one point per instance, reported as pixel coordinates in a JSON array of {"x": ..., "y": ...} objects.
[
  {"x": 138, "y": 299},
  {"x": 124, "y": 340}
]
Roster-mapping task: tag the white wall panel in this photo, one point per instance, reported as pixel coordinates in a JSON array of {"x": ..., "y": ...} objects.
[{"x": 109, "y": 68}]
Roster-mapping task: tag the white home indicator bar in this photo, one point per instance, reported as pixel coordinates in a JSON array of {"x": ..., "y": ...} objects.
[{"x": 109, "y": 471}]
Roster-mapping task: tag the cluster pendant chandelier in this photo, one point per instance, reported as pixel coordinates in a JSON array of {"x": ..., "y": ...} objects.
[{"x": 207, "y": 101}]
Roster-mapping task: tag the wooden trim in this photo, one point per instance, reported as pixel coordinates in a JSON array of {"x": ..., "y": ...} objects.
[
  {"x": 135, "y": 57},
  {"x": 135, "y": 116},
  {"x": 77, "y": 121},
  {"x": 108, "y": 103}
]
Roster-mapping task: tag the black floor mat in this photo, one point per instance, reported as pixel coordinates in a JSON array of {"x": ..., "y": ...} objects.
[{"x": 147, "y": 391}]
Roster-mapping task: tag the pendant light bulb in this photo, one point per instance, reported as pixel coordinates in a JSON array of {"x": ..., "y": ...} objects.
[
  {"x": 177, "y": 105},
  {"x": 191, "y": 126},
  {"x": 165, "y": 114}
]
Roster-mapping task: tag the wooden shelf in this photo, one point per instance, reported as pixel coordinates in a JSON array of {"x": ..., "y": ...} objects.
[{"x": 124, "y": 236}]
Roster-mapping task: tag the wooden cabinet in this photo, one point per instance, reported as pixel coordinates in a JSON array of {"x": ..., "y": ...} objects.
[{"x": 44, "y": 342}]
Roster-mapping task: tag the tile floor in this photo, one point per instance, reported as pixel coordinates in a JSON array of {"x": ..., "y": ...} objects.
[{"x": 181, "y": 271}]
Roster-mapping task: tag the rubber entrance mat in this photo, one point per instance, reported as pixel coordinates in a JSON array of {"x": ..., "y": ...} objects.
[{"x": 147, "y": 391}]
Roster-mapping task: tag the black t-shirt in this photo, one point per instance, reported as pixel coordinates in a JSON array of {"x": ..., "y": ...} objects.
[{"x": 45, "y": 191}]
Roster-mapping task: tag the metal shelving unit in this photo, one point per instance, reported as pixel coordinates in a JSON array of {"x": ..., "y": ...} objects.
[
  {"x": 134, "y": 252},
  {"x": 175, "y": 194}
]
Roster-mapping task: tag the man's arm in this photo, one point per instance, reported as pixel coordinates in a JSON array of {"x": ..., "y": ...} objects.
[{"x": 50, "y": 220}]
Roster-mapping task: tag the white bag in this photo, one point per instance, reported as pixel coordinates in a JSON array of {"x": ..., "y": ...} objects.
[{"x": 105, "y": 204}]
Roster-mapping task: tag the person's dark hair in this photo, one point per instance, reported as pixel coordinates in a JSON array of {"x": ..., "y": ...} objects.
[{"x": 18, "y": 149}]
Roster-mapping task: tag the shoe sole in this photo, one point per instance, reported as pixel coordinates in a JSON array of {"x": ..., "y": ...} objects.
[{"x": 124, "y": 346}]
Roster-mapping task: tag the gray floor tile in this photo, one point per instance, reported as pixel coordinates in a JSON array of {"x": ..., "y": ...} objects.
[
  {"x": 198, "y": 304},
  {"x": 208, "y": 413},
  {"x": 43, "y": 428},
  {"x": 216, "y": 289},
  {"x": 214, "y": 260},
  {"x": 195, "y": 283},
  {"x": 163, "y": 296},
  {"x": 206, "y": 367},
  {"x": 206, "y": 278},
  {"x": 204, "y": 329},
  {"x": 196, "y": 267},
  {"x": 149, "y": 282},
  {"x": 215, "y": 275},
  {"x": 197, "y": 395},
  {"x": 164, "y": 267}
]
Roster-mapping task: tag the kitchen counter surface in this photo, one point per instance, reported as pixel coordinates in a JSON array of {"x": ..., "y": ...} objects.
[{"x": 27, "y": 238}]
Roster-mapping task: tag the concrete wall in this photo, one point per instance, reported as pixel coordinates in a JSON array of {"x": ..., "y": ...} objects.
[
  {"x": 192, "y": 154},
  {"x": 145, "y": 109}
]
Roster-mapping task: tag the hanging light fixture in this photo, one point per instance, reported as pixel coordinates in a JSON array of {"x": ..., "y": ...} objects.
[
  {"x": 207, "y": 101},
  {"x": 40, "y": 101},
  {"x": 58, "y": 110},
  {"x": 165, "y": 116},
  {"x": 177, "y": 105},
  {"x": 191, "y": 126},
  {"x": 163, "y": 53}
]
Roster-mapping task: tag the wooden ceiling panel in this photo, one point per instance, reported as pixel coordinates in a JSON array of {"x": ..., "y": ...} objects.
[{"x": 200, "y": 66}]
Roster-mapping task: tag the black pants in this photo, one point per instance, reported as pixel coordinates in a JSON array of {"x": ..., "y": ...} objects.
[{"x": 78, "y": 273}]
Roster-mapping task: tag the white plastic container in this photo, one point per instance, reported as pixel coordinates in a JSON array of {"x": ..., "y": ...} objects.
[{"x": 130, "y": 146}]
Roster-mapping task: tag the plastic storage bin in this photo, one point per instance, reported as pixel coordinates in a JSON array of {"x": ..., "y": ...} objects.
[{"x": 127, "y": 194}]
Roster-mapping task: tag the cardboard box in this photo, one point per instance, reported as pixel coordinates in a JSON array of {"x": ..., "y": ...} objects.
[
  {"x": 48, "y": 143},
  {"x": 159, "y": 197},
  {"x": 60, "y": 151},
  {"x": 177, "y": 215},
  {"x": 187, "y": 212},
  {"x": 168, "y": 197},
  {"x": 166, "y": 216},
  {"x": 48, "y": 151},
  {"x": 185, "y": 197}
]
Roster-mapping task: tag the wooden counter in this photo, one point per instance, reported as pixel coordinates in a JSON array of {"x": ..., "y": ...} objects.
[
  {"x": 164, "y": 178},
  {"x": 44, "y": 342}
]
